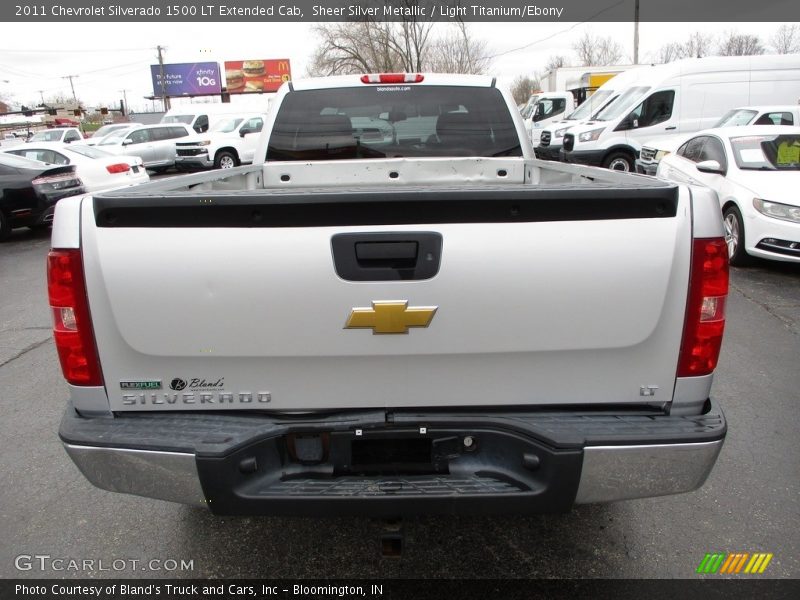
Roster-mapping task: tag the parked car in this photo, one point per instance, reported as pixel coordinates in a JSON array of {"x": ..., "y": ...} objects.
[
  {"x": 98, "y": 169},
  {"x": 654, "y": 150},
  {"x": 154, "y": 144},
  {"x": 755, "y": 171},
  {"x": 66, "y": 135},
  {"x": 30, "y": 190},
  {"x": 98, "y": 135}
]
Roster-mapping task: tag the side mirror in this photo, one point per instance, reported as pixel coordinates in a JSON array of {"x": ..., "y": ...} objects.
[
  {"x": 245, "y": 130},
  {"x": 710, "y": 166},
  {"x": 127, "y": 142},
  {"x": 628, "y": 122}
]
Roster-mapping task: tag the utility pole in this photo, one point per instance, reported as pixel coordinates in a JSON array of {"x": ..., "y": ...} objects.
[
  {"x": 74, "y": 97},
  {"x": 125, "y": 101},
  {"x": 636, "y": 33},
  {"x": 164, "y": 98},
  {"x": 72, "y": 85},
  {"x": 41, "y": 95}
]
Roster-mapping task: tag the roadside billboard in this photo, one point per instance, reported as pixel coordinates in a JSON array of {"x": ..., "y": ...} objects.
[
  {"x": 254, "y": 76},
  {"x": 183, "y": 79}
]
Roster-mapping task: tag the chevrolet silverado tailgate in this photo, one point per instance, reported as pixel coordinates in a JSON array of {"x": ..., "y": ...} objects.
[{"x": 356, "y": 297}]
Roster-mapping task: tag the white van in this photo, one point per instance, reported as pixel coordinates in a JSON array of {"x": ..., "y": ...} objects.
[
  {"x": 229, "y": 143},
  {"x": 551, "y": 137},
  {"x": 680, "y": 97},
  {"x": 201, "y": 117},
  {"x": 550, "y": 107}
]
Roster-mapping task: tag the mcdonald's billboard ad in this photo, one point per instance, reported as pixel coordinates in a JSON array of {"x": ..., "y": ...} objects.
[{"x": 255, "y": 76}]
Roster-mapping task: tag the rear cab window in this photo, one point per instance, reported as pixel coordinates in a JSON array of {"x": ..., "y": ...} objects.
[{"x": 391, "y": 121}]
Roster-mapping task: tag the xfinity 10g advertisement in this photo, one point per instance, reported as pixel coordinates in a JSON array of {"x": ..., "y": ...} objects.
[{"x": 186, "y": 79}]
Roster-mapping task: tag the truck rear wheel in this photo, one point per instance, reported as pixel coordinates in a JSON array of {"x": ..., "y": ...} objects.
[
  {"x": 619, "y": 161},
  {"x": 225, "y": 160}
]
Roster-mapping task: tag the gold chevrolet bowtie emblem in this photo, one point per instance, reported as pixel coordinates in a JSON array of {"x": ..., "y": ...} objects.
[{"x": 390, "y": 317}]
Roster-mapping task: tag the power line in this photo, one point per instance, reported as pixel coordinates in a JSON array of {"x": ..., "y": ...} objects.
[
  {"x": 549, "y": 37},
  {"x": 92, "y": 51}
]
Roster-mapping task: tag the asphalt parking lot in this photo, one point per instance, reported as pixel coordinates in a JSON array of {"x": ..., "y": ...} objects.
[{"x": 751, "y": 502}]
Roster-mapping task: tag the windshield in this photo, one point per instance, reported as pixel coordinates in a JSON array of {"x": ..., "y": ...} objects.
[
  {"x": 18, "y": 162},
  {"x": 227, "y": 125},
  {"x": 106, "y": 129},
  {"x": 595, "y": 102},
  {"x": 53, "y": 135},
  {"x": 185, "y": 119},
  {"x": 622, "y": 104},
  {"x": 767, "y": 152},
  {"x": 114, "y": 137},
  {"x": 736, "y": 118},
  {"x": 393, "y": 121},
  {"x": 88, "y": 151},
  {"x": 527, "y": 110}
]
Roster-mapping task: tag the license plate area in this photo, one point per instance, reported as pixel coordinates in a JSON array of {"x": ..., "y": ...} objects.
[{"x": 392, "y": 456}]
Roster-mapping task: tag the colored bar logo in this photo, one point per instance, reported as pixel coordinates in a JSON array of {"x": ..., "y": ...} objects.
[{"x": 734, "y": 563}]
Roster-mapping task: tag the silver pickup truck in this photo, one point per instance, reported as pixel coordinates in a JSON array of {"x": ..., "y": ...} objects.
[{"x": 363, "y": 323}]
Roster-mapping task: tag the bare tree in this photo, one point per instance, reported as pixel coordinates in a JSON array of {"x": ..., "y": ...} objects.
[
  {"x": 669, "y": 52},
  {"x": 698, "y": 45},
  {"x": 385, "y": 47},
  {"x": 522, "y": 87},
  {"x": 593, "y": 50},
  {"x": 786, "y": 40},
  {"x": 734, "y": 43},
  {"x": 457, "y": 52},
  {"x": 556, "y": 61}
]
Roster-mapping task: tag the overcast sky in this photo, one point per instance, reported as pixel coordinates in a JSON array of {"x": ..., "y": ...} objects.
[{"x": 110, "y": 57}]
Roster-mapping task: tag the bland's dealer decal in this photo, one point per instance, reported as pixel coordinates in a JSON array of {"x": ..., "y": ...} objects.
[{"x": 196, "y": 390}]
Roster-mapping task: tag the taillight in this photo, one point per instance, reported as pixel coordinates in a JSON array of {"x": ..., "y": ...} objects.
[
  {"x": 72, "y": 327},
  {"x": 57, "y": 182},
  {"x": 393, "y": 78},
  {"x": 705, "y": 311},
  {"x": 118, "y": 168}
]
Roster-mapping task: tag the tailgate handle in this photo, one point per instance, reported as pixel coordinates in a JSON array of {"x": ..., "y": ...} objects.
[
  {"x": 386, "y": 252},
  {"x": 387, "y": 256}
]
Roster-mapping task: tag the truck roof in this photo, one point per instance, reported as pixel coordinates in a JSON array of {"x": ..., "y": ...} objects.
[{"x": 343, "y": 81}]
